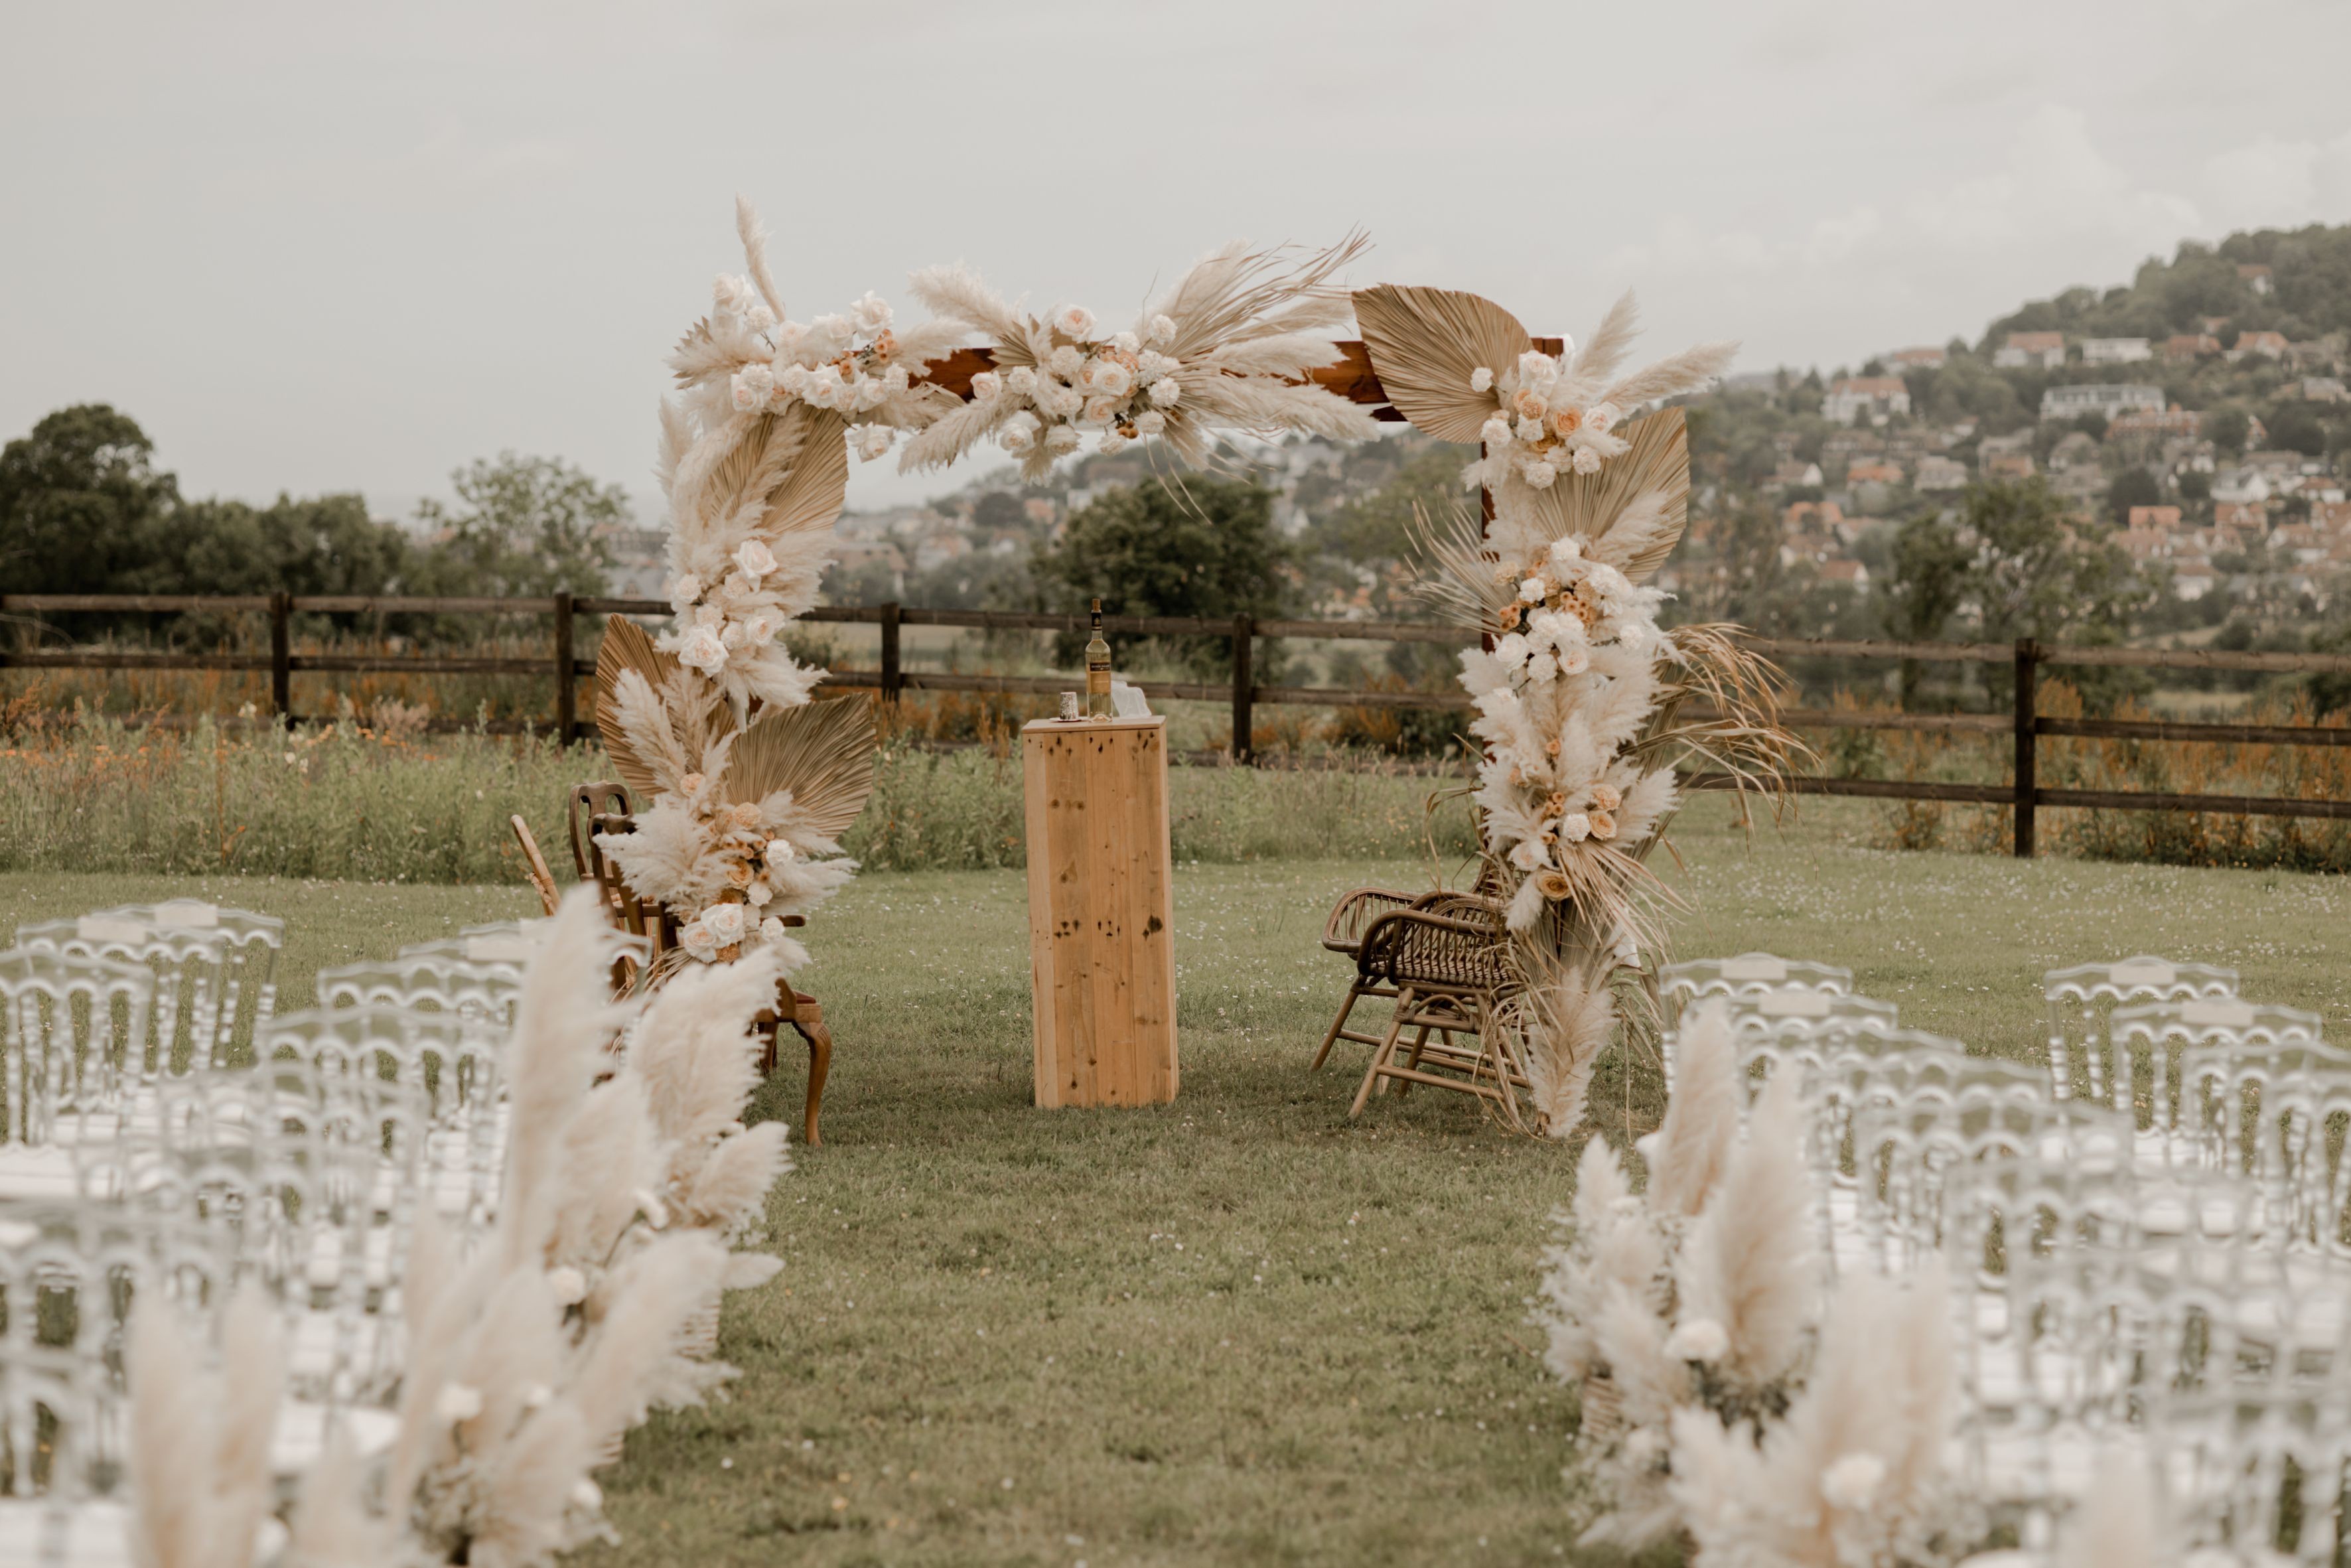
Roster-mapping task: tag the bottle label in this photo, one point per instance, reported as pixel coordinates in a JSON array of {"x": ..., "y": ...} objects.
[{"x": 1098, "y": 680}]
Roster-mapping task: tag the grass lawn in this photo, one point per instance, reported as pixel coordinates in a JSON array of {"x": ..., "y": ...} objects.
[{"x": 1239, "y": 1329}]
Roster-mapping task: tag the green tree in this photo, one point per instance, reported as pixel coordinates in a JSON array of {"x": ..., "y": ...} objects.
[
  {"x": 1925, "y": 583},
  {"x": 526, "y": 526},
  {"x": 2032, "y": 574},
  {"x": 2132, "y": 487},
  {"x": 1379, "y": 526},
  {"x": 1204, "y": 547},
  {"x": 81, "y": 504}
]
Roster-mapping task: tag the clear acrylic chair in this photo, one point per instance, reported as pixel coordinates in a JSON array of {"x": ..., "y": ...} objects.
[
  {"x": 2148, "y": 1045},
  {"x": 2278, "y": 1116},
  {"x": 427, "y": 981},
  {"x": 2080, "y": 999},
  {"x": 68, "y": 1028},
  {"x": 1679, "y": 985},
  {"x": 452, "y": 1064},
  {"x": 1814, "y": 1005},
  {"x": 2033, "y": 1239},
  {"x": 190, "y": 967}
]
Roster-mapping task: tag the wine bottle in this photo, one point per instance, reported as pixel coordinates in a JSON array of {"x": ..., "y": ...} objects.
[{"x": 1098, "y": 703}]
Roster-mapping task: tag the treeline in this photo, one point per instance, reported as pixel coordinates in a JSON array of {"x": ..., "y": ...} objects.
[{"x": 84, "y": 509}]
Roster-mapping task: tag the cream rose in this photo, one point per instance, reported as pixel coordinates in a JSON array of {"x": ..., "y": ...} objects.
[
  {"x": 1074, "y": 321},
  {"x": 753, "y": 559}
]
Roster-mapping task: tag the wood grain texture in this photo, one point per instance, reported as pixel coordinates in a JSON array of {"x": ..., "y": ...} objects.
[{"x": 1101, "y": 911}]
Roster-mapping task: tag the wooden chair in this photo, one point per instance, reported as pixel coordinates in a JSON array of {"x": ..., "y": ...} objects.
[
  {"x": 534, "y": 865},
  {"x": 1343, "y": 934},
  {"x": 644, "y": 917},
  {"x": 1447, "y": 963}
]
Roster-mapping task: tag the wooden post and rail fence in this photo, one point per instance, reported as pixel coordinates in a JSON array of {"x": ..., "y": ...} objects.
[{"x": 562, "y": 666}]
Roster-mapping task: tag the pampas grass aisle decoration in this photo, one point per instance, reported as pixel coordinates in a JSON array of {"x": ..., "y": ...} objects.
[
  {"x": 199, "y": 1440},
  {"x": 1585, "y": 707}
]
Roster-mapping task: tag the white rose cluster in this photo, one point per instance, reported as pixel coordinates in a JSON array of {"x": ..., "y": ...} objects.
[
  {"x": 1543, "y": 427},
  {"x": 1120, "y": 387},
  {"x": 760, "y": 868},
  {"x": 848, "y": 363},
  {"x": 731, "y": 619},
  {"x": 1571, "y": 630}
]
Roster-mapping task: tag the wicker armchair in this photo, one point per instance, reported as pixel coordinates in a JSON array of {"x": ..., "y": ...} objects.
[
  {"x": 644, "y": 917},
  {"x": 1350, "y": 918},
  {"x": 1447, "y": 960}
]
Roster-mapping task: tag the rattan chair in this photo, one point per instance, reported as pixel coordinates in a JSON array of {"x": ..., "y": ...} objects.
[
  {"x": 644, "y": 917},
  {"x": 1343, "y": 934},
  {"x": 1447, "y": 962}
]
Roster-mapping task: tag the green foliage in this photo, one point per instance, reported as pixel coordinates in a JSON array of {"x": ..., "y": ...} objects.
[
  {"x": 2310, "y": 271},
  {"x": 81, "y": 505},
  {"x": 525, "y": 526},
  {"x": 2132, "y": 487},
  {"x": 1201, "y": 547},
  {"x": 1381, "y": 525}
]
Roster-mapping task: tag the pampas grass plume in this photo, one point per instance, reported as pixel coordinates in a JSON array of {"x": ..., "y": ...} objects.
[
  {"x": 1701, "y": 1125},
  {"x": 1748, "y": 1264}
]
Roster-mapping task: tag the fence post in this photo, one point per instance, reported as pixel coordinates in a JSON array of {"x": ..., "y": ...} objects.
[
  {"x": 893, "y": 675},
  {"x": 281, "y": 658},
  {"x": 2028, "y": 663},
  {"x": 567, "y": 681},
  {"x": 1244, "y": 690}
]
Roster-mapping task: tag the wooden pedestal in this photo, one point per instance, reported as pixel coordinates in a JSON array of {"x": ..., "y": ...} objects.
[{"x": 1101, "y": 911}]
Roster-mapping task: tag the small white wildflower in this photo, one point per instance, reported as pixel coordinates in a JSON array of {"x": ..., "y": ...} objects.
[
  {"x": 1700, "y": 1339},
  {"x": 1150, "y": 421},
  {"x": 1575, "y": 827},
  {"x": 1167, "y": 392},
  {"x": 1535, "y": 589},
  {"x": 1162, "y": 328},
  {"x": 457, "y": 1402},
  {"x": 1853, "y": 1481}
]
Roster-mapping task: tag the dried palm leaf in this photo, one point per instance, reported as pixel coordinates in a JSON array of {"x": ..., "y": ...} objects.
[
  {"x": 1590, "y": 505},
  {"x": 1425, "y": 343},
  {"x": 809, "y": 496},
  {"x": 821, "y": 752}
]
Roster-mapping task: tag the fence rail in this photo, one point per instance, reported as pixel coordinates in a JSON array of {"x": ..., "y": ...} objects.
[{"x": 2024, "y": 795}]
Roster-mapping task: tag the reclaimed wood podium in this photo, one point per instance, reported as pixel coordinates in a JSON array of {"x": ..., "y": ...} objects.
[{"x": 1101, "y": 911}]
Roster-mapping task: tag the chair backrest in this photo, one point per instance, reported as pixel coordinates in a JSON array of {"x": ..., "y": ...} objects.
[
  {"x": 71, "y": 1030},
  {"x": 638, "y": 916},
  {"x": 193, "y": 1013},
  {"x": 1681, "y": 985},
  {"x": 2145, "y": 1046},
  {"x": 2277, "y": 1114},
  {"x": 2080, "y": 999},
  {"x": 588, "y": 801},
  {"x": 428, "y": 978},
  {"x": 69, "y": 1272}
]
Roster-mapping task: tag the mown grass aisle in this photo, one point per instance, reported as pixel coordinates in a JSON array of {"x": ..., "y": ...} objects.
[{"x": 1239, "y": 1329}]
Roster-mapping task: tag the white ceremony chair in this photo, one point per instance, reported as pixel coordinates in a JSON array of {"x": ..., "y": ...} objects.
[
  {"x": 2148, "y": 1045},
  {"x": 2080, "y": 999}
]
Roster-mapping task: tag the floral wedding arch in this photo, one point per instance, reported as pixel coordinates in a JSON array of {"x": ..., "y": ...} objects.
[{"x": 1585, "y": 707}]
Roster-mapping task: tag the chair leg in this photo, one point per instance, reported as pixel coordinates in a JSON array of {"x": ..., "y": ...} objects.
[
  {"x": 1420, "y": 1044},
  {"x": 809, "y": 1018},
  {"x": 1386, "y": 1050},
  {"x": 1354, "y": 993}
]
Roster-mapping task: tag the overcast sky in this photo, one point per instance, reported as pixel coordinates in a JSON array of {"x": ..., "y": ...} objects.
[{"x": 325, "y": 246}]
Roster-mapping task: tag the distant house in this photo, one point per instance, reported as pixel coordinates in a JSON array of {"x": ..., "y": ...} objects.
[
  {"x": 2324, "y": 389},
  {"x": 2278, "y": 464},
  {"x": 2008, "y": 465},
  {"x": 2025, "y": 349},
  {"x": 2190, "y": 346},
  {"x": 1811, "y": 518},
  {"x": 1940, "y": 474},
  {"x": 2077, "y": 450},
  {"x": 1793, "y": 472},
  {"x": 2108, "y": 398},
  {"x": 2257, "y": 276},
  {"x": 2241, "y": 487},
  {"x": 2115, "y": 351},
  {"x": 2269, "y": 345},
  {"x": 1916, "y": 359},
  {"x": 2164, "y": 519},
  {"x": 1875, "y": 398},
  {"x": 2144, "y": 545},
  {"x": 2305, "y": 544},
  {"x": 2251, "y": 514},
  {"x": 2192, "y": 579},
  {"x": 1873, "y": 474},
  {"x": 1845, "y": 574},
  {"x": 2169, "y": 422}
]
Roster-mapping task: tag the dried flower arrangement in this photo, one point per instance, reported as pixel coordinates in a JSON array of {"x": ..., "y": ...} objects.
[
  {"x": 1585, "y": 706},
  {"x": 1228, "y": 348},
  {"x": 1716, "y": 1400}
]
